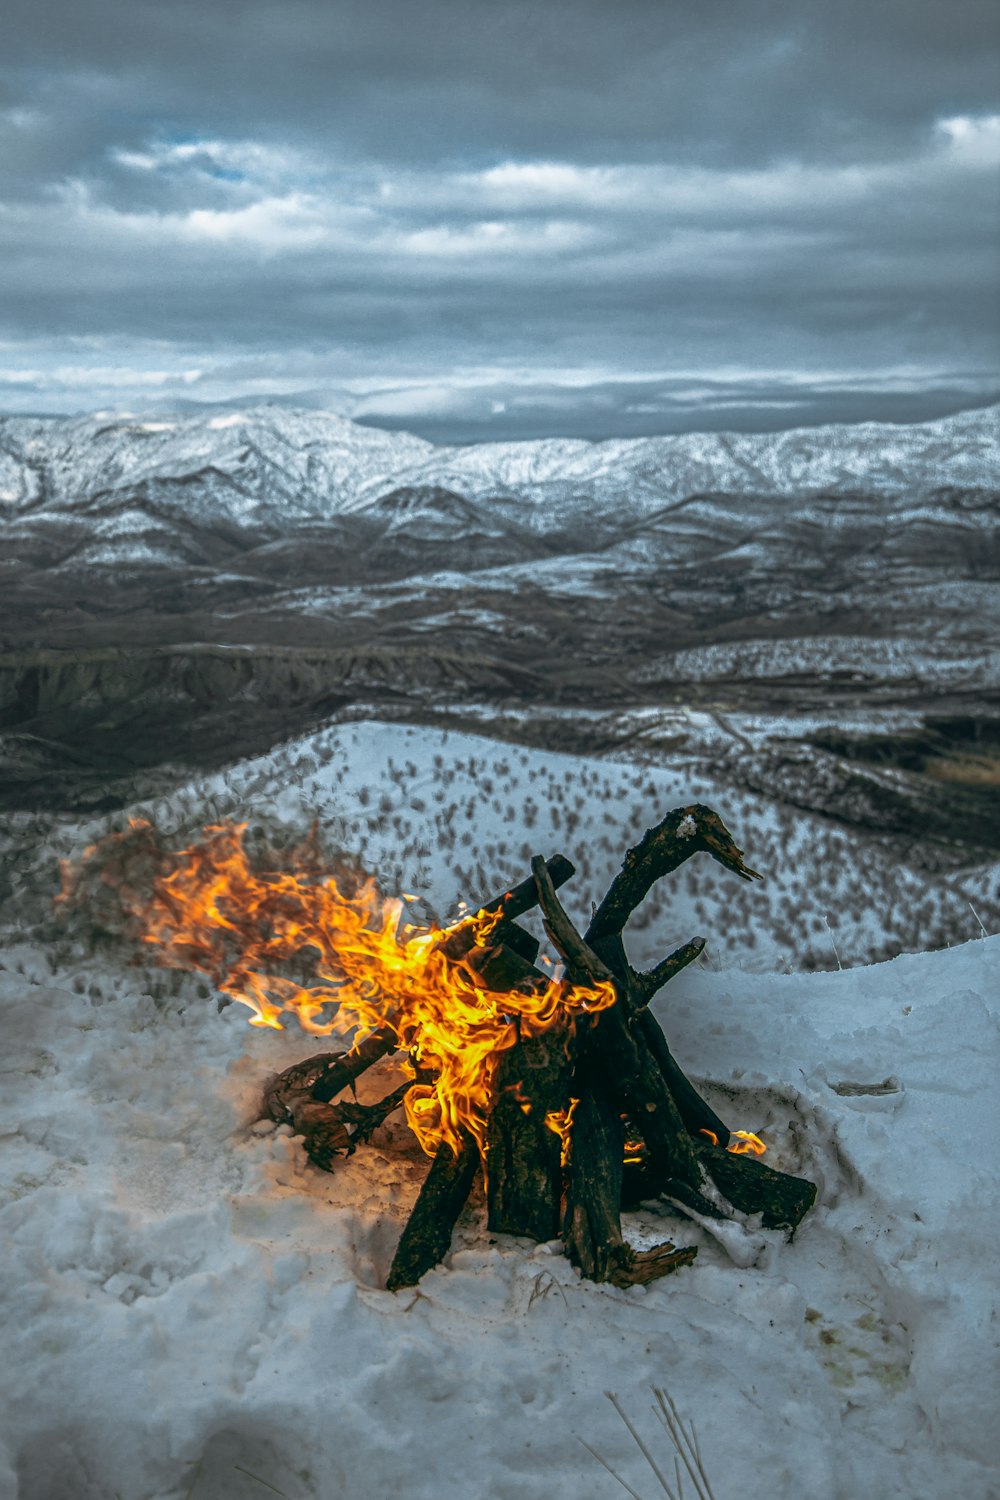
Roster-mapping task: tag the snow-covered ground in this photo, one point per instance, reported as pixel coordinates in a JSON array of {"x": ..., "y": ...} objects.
[{"x": 192, "y": 1312}]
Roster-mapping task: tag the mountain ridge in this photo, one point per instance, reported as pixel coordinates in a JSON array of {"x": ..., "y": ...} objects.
[{"x": 311, "y": 466}]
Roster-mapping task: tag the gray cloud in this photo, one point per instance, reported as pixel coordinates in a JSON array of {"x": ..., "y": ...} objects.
[{"x": 543, "y": 206}]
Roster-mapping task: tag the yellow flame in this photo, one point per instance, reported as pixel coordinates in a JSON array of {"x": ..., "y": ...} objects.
[
  {"x": 741, "y": 1143},
  {"x": 745, "y": 1143},
  {"x": 516, "y": 1090},
  {"x": 634, "y": 1149},
  {"x": 561, "y": 1122},
  {"x": 211, "y": 911}
]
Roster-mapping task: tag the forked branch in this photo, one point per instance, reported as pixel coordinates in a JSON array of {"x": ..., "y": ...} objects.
[{"x": 683, "y": 832}]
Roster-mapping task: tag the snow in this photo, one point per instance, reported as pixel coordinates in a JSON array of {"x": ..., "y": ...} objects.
[
  {"x": 193, "y": 1312},
  {"x": 184, "y": 1292}
]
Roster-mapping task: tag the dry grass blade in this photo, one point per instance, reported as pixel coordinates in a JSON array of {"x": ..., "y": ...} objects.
[
  {"x": 687, "y": 1452},
  {"x": 685, "y": 1441},
  {"x": 643, "y": 1449},
  {"x": 605, "y": 1465},
  {"x": 264, "y": 1482}
]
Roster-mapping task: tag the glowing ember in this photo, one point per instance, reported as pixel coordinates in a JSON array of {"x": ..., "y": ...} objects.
[
  {"x": 634, "y": 1151},
  {"x": 742, "y": 1142},
  {"x": 209, "y": 910},
  {"x": 516, "y": 1090}
]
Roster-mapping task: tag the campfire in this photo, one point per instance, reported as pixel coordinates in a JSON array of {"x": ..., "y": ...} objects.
[{"x": 559, "y": 1086}]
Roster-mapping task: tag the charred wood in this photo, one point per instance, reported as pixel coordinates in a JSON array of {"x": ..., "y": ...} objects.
[
  {"x": 523, "y": 1158},
  {"x": 626, "y": 1047},
  {"x": 581, "y": 960},
  {"x": 514, "y": 903},
  {"x": 523, "y": 1170},
  {"x": 349, "y": 1067},
  {"x": 592, "y": 1221},
  {"x": 752, "y": 1187},
  {"x": 614, "y": 1048},
  {"x": 322, "y": 1077},
  {"x": 694, "y": 1112},
  {"x": 515, "y": 939},
  {"x": 333, "y": 1130},
  {"x": 648, "y": 984},
  {"x": 427, "y": 1236}
]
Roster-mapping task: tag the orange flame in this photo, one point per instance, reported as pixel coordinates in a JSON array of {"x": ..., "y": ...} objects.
[
  {"x": 211, "y": 911},
  {"x": 521, "y": 1099},
  {"x": 634, "y": 1150},
  {"x": 742, "y": 1142},
  {"x": 561, "y": 1122},
  {"x": 745, "y": 1143}
]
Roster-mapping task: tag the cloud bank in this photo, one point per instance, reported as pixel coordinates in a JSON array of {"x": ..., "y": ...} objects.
[{"x": 502, "y": 220}]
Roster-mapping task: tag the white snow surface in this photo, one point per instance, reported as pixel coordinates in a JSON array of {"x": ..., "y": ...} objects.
[
  {"x": 190, "y": 1308},
  {"x": 191, "y": 1311}
]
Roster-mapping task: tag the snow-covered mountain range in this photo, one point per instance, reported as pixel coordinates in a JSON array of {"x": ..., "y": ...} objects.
[
  {"x": 271, "y": 463},
  {"x": 284, "y": 500}
]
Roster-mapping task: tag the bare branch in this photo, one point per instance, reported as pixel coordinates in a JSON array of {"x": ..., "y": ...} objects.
[
  {"x": 346, "y": 1069},
  {"x": 654, "y": 979},
  {"x": 457, "y": 941}
]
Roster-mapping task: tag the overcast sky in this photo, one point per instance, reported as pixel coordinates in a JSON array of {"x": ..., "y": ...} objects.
[{"x": 503, "y": 217}]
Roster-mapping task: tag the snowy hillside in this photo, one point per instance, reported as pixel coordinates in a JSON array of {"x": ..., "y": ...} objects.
[
  {"x": 193, "y": 1312},
  {"x": 454, "y": 817}
]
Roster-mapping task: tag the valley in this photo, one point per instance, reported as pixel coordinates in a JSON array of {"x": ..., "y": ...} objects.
[{"x": 810, "y": 619}]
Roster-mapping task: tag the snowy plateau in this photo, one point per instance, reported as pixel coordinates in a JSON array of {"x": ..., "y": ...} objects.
[{"x": 455, "y": 659}]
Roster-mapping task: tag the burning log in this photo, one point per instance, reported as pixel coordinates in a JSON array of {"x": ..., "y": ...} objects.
[
  {"x": 427, "y": 1236},
  {"x": 592, "y": 1230},
  {"x": 752, "y": 1187},
  {"x": 524, "y": 1179}
]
